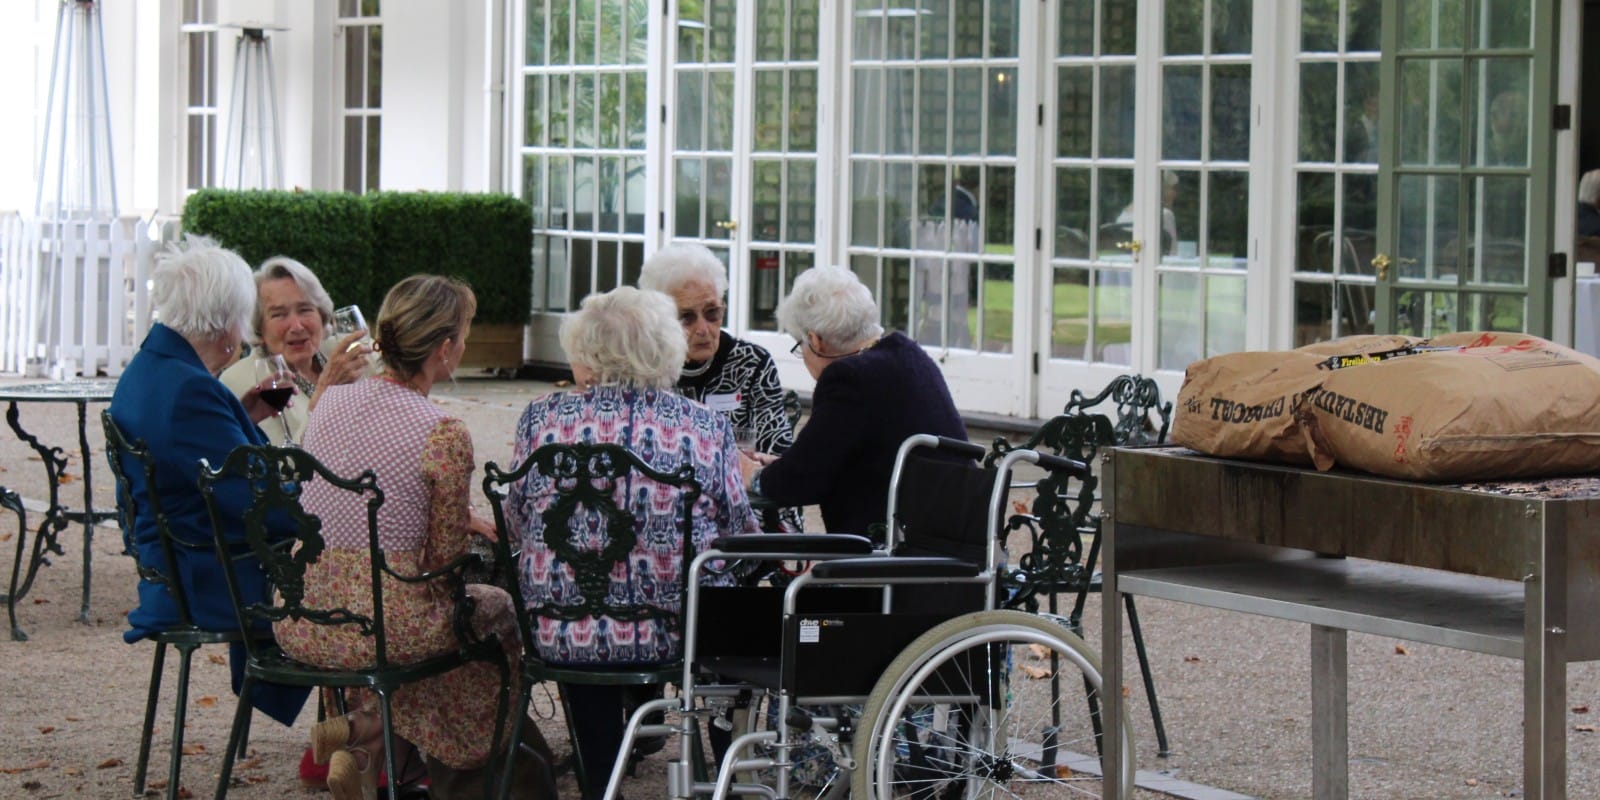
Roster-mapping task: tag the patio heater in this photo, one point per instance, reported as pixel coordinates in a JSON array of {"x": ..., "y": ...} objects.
[
  {"x": 254, "y": 156},
  {"x": 76, "y": 198}
]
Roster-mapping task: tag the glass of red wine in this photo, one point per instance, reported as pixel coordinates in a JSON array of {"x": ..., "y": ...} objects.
[{"x": 277, "y": 386}]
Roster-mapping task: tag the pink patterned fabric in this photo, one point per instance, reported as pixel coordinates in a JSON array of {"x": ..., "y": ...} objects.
[
  {"x": 666, "y": 431},
  {"x": 424, "y": 462}
]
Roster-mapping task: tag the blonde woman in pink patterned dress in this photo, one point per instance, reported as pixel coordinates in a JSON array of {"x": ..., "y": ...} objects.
[{"x": 423, "y": 461}]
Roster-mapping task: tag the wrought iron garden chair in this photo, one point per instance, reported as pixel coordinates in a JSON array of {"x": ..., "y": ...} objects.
[
  {"x": 1063, "y": 518},
  {"x": 186, "y": 636},
  {"x": 272, "y": 480},
  {"x": 591, "y": 528}
]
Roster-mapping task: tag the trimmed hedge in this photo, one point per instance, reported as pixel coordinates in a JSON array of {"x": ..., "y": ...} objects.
[
  {"x": 483, "y": 239},
  {"x": 360, "y": 245},
  {"x": 329, "y": 232}
]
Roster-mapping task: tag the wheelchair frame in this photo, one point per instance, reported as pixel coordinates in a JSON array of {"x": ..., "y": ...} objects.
[{"x": 872, "y": 755}]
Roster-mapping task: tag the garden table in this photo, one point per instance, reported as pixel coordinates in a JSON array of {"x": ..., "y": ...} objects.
[
  {"x": 58, "y": 515},
  {"x": 1505, "y": 568}
]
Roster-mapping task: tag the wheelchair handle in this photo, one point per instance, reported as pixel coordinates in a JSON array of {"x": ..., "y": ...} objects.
[
  {"x": 1055, "y": 463},
  {"x": 961, "y": 447}
]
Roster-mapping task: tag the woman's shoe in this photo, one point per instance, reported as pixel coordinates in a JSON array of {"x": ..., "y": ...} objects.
[
  {"x": 347, "y": 780},
  {"x": 312, "y": 774},
  {"x": 328, "y": 737}
]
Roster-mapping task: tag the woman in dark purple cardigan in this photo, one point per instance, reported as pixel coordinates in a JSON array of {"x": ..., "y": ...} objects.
[{"x": 873, "y": 390}]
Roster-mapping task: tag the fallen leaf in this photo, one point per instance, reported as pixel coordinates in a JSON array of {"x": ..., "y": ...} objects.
[
  {"x": 65, "y": 478},
  {"x": 1191, "y": 659},
  {"x": 1038, "y": 650},
  {"x": 109, "y": 763},
  {"x": 156, "y": 783},
  {"x": 74, "y": 719},
  {"x": 1400, "y": 650},
  {"x": 5, "y": 537},
  {"x": 40, "y": 764},
  {"x": 1036, "y": 673},
  {"x": 1472, "y": 781},
  {"x": 1583, "y": 728},
  {"x": 256, "y": 778},
  {"x": 1019, "y": 507},
  {"x": 1125, "y": 692},
  {"x": 1580, "y": 709},
  {"x": 47, "y": 728},
  {"x": 216, "y": 659},
  {"x": 1063, "y": 771},
  {"x": 32, "y": 785},
  {"x": 183, "y": 791},
  {"x": 39, "y": 601},
  {"x": 72, "y": 771},
  {"x": 206, "y": 702},
  {"x": 193, "y": 749},
  {"x": 250, "y": 763}
]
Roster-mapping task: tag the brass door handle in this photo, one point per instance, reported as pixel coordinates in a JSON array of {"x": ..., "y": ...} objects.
[
  {"x": 1132, "y": 245},
  {"x": 727, "y": 224},
  {"x": 1380, "y": 263}
]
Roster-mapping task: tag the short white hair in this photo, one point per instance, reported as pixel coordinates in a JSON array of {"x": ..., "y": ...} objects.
[
  {"x": 202, "y": 290},
  {"x": 1589, "y": 187},
  {"x": 831, "y": 302},
  {"x": 677, "y": 265},
  {"x": 280, "y": 267},
  {"x": 627, "y": 336}
]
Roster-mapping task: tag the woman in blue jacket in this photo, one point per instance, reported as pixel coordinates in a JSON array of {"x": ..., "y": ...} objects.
[{"x": 169, "y": 396}]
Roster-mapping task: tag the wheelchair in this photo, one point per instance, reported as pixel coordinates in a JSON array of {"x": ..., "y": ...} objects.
[{"x": 891, "y": 656}]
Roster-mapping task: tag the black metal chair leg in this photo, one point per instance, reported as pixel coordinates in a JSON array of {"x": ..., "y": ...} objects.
[
  {"x": 1162, "y": 748},
  {"x": 388, "y": 744},
  {"x": 524, "y": 699},
  {"x": 241, "y": 722},
  {"x": 157, "y": 664},
  {"x": 180, "y": 712}
]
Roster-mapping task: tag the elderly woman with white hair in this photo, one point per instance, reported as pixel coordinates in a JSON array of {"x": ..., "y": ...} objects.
[
  {"x": 873, "y": 390},
  {"x": 626, "y": 348},
  {"x": 1589, "y": 203},
  {"x": 169, "y": 397},
  {"x": 291, "y": 318},
  {"x": 728, "y": 374}
]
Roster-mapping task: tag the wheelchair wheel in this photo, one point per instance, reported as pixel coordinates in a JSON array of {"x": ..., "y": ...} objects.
[{"x": 989, "y": 704}]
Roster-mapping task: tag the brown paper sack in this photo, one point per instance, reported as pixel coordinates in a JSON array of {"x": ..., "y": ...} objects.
[
  {"x": 1489, "y": 406},
  {"x": 1241, "y": 405}
]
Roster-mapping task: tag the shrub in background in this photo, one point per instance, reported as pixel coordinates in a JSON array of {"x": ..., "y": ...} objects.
[
  {"x": 329, "y": 232},
  {"x": 483, "y": 239}
]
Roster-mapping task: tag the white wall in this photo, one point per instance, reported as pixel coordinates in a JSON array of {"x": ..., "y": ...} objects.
[
  {"x": 22, "y": 35},
  {"x": 432, "y": 128}
]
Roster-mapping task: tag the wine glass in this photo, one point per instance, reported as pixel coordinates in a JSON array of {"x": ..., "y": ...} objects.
[
  {"x": 277, "y": 386},
  {"x": 348, "y": 320},
  {"x": 744, "y": 438}
]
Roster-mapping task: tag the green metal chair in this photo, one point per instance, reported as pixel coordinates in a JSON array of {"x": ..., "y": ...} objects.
[
  {"x": 186, "y": 637},
  {"x": 1062, "y": 516},
  {"x": 276, "y": 478},
  {"x": 585, "y": 479}
]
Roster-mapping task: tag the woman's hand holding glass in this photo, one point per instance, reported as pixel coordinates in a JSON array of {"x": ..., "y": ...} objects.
[{"x": 353, "y": 353}]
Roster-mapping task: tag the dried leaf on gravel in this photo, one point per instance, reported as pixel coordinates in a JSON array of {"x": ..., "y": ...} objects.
[
  {"x": 1583, "y": 728},
  {"x": 71, "y": 771},
  {"x": 1580, "y": 709},
  {"x": 1036, "y": 673},
  {"x": 74, "y": 719},
  {"x": 183, "y": 791},
  {"x": 40, "y": 764},
  {"x": 216, "y": 658},
  {"x": 1125, "y": 691},
  {"x": 256, "y": 778},
  {"x": 155, "y": 783},
  {"x": 206, "y": 702},
  {"x": 1019, "y": 507},
  {"x": 1400, "y": 650},
  {"x": 32, "y": 785},
  {"x": 251, "y": 763},
  {"x": 47, "y": 728},
  {"x": 66, "y": 478},
  {"x": 109, "y": 763},
  {"x": 1472, "y": 781},
  {"x": 1038, "y": 651},
  {"x": 39, "y": 601},
  {"x": 5, "y": 537},
  {"x": 1191, "y": 659},
  {"x": 193, "y": 749}
]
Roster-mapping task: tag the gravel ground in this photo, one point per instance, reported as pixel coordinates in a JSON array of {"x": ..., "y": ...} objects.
[{"x": 1425, "y": 722}]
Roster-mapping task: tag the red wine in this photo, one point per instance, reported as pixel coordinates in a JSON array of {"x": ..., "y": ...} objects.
[{"x": 277, "y": 398}]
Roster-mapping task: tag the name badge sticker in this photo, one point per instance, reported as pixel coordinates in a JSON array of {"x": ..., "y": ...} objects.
[{"x": 723, "y": 402}]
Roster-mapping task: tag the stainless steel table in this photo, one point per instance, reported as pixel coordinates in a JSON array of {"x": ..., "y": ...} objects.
[
  {"x": 58, "y": 515},
  {"x": 1513, "y": 569}
]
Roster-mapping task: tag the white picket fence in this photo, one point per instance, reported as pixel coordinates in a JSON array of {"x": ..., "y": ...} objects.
[{"x": 76, "y": 294}]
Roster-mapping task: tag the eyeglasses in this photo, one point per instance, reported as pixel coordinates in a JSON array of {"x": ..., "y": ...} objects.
[
  {"x": 688, "y": 316},
  {"x": 797, "y": 353}
]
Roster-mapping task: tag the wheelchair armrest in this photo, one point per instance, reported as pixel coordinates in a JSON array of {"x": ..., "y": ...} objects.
[
  {"x": 797, "y": 543},
  {"x": 1056, "y": 463},
  {"x": 894, "y": 567}
]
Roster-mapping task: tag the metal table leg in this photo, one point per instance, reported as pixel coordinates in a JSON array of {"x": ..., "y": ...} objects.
[{"x": 1330, "y": 711}]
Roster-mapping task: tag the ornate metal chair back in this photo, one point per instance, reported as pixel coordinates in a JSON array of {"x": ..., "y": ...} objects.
[
  {"x": 1141, "y": 416},
  {"x": 124, "y": 457},
  {"x": 592, "y": 526}
]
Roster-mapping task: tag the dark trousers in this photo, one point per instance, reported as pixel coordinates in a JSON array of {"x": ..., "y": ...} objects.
[{"x": 597, "y": 724}]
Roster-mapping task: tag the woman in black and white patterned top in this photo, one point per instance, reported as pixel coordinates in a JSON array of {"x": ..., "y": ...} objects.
[{"x": 732, "y": 376}]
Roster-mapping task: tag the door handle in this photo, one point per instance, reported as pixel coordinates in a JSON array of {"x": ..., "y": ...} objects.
[
  {"x": 1380, "y": 263},
  {"x": 727, "y": 224},
  {"x": 1132, "y": 245}
]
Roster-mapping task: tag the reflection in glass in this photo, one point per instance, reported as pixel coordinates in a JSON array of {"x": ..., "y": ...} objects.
[
  {"x": 718, "y": 196},
  {"x": 1313, "y": 313},
  {"x": 1074, "y": 112},
  {"x": 1178, "y": 333},
  {"x": 1314, "y": 250},
  {"x": 1072, "y": 212},
  {"x": 1113, "y": 316},
  {"x": 1430, "y": 122},
  {"x": 719, "y": 112},
  {"x": 802, "y": 108},
  {"x": 1419, "y": 313},
  {"x": 1184, "y": 28},
  {"x": 864, "y": 211},
  {"x": 1230, "y": 112},
  {"x": 966, "y": 121},
  {"x": 1182, "y": 120},
  {"x": 1225, "y": 317},
  {"x": 686, "y": 214},
  {"x": 1500, "y": 244},
  {"x": 1119, "y": 27},
  {"x": 1069, "y": 314},
  {"x": 1231, "y": 26},
  {"x": 997, "y": 298},
  {"x": 1075, "y": 28},
  {"x": 1227, "y": 228},
  {"x": 801, "y": 211},
  {"x": 1002, "y": 112},
  {"x": 1503, "y": 140},
  {"x": 1319, "y": 29},
  {"x": 1495, "y": 312},
  {"x": 1318, "y": 83},
  {"x": 1117, "y": 112},
  {"x": 933, "y": 110}
]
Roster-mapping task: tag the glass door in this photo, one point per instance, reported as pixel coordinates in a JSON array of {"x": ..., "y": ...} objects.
[
  {"x": 741, "y": 117},
  {"x": 1150, "y": 158},
  {"x": 1464, "y": 222}
]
